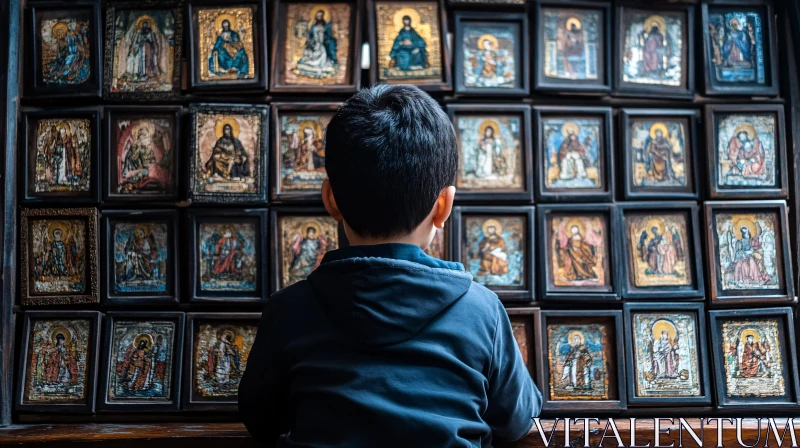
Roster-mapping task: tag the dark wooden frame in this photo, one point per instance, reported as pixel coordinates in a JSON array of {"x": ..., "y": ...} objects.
[
  {"x": 93, "y": 85},
  {"x": 782, "y": 295},
  {"x": 789, "y": 358},
  {"x": 193, "y": 219},
  {"x": 532, "y": 315},
  {"x": 92, "y": 294},
  {"x": 260, "y": 48},
  {"x": 524, "y": 293},
  {"x": 28, "y": 159},
  {"x": 110, "y": 7},
  {"x": 93, "y": 349},
  {"x": 176, "y": 114},
  {"x": 278, "y": 109},
  {"x": 605, "y": 161},
  {"x": 629, "y": 309},
  {"x": 589, "y": 294},
  {"x": 543, "y": 365},
  {"x": 713, "y": 87},
  {"x": 686, "y": 90},
  {"x": 192, "y": 319},
  {"x": 279, "y": 12},
  {"x": 445, "y": 84},
  {"x": 631, "y": 191},
  {"x": 521, "y": 52},
  {"x": 631, "y": 291},
  {"x": 780, "y": 190},
  {"x": 555, "y": 85},
  {"x": 103, "y": 405},
  {"x": 136, "y": 299},
  {"x": 259, "y": 167},
  {"x": 504, "y": 195},
  {"x": 276, "y": 241}
]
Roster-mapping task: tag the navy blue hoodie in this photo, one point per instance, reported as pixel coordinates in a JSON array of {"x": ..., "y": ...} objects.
[{"x": 386, "y": 346}]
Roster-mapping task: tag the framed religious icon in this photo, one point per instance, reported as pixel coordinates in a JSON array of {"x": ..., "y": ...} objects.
[
  {"x": 574, "y": 154},
  {"x": 666, "y": 354},
  {"x": 58, "y": 256},
  {"x": 61, "y": 155},
  {"x": 228, "y": 161},
  {"x": 408, "y": 43},
  {"x": 659, "y": 156},
  {"x": 140, "y": 257},
  {"x": 661, "y": 250},
  {"x": 227, "y": 255},
  {"x": 496, "y": 246},
  {"x": 754, "y": 358},
  {"x": 144, "y": 146},
  {"x": 581, "y": 360},
  {"x": 655, "y": 50},
  {"x": 65, "y": 48},
  {"x": 141, "y": 362},
  {"x": 58, "y": 362},
  {"x": 572, "y": 51},
  {"x": 577, "y": 263},
  {"x": 748, "y": 246},
  {"x": 739, "y": 48},
  {"x": 228, "y": 44},
  {"x": 523, "y": 324},
  {"x": 747, "y": 151},
  {"x": 492, "y": 58},
  {"x": 301, "y": 236},
  {"x": 218, "y": 345},
  {"x": 494, "y": 152},
  {"x": 316, "y": 47},
  {"x": 143, "y": 49},
  {"x": 298, "y": 158}
]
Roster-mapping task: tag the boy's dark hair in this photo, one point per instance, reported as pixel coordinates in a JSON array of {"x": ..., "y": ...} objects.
[{"x": 389, "y": 152}]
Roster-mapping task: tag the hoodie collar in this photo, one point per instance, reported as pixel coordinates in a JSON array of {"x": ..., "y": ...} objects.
[{"x": 395, "y": 251}]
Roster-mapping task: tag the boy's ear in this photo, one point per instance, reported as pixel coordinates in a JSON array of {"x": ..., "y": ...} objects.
[
  {"x": 330, "y": 201},
  {"x": 444, "y": 206}
]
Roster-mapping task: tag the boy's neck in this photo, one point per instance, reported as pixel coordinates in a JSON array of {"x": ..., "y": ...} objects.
[{"x": 419, "y": 237}]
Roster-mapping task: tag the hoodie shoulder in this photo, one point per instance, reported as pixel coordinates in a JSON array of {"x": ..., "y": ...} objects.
[
  {"x": 482, "y": 303},
  {"x": 297, "y": 294}
]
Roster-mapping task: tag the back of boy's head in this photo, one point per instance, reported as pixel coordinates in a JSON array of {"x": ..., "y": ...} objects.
[{"x": 389, "y": 152}]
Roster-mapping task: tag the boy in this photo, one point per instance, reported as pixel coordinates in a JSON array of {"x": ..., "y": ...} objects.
[{"x": 384, "y": 345}]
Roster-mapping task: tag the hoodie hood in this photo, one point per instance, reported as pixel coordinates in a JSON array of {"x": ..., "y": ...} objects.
[{"x": 384, "y": 294}]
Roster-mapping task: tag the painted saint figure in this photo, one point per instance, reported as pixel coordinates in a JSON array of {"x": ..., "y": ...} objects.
[
  {"x": 489, "y": 155},
  {"x": 227, "y": 254},
  {"x": 665, "y": 355},
  {"x": 55, "y": 363},
  {"x": 492, "y": 250},
  {"x": 409, "y": 49},
  {"x": 65, "y": 161},
  {"x": 654, "y": 48},
  {"x": 71, "y": 62},
  {"x": 141, "y": 256},
  {"x": 578, "y": 258},
  {"x": 747, "y": 265},
  {"x": 309, "y": 152},
  {"x": 572, "y": 160},
  {"x": 228, "y": 55},
  {"x": 572, "y": 43},
  {"x": 228, "y": 160},
  {"x": 140, "y": 169},
  {"x": 224, "y": 360},
  {"x": 577, "y": 365},
  {"x": 136, "y": 368},
  {"x": 488, "y": 65},
  {"x": 736, "y": 51},
  {"x": 754, "y": 360},
  {"x": 142, "y": 63},
  {"x": 746, "y": 153},
  {"x": 307, "y": 252},
  {"x": 658, "y": 155},
  {"x": 59, "y": 256},
  {"x": 319, "y": 58},
  {"x": 661, "y": 251}
]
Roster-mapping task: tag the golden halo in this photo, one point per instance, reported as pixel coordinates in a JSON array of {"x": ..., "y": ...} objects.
[
  {"x": 744, "y": 222},
  {"x": 492, "y": 223},
  {"x": 228, "y": 228},
  {"x": 310, "y": 124},
  {"x": 736, "y": 21},
  {"x": 312, "y": 224},
  {"x": 661, "y": 325},
  {"x": 750, "y": 332},
  {"x": 570, "y": 126},
  {"x": 657, "y": 21},
  {"x": 326, "y": 14},
  {"x": 221, "y": 18},
  {"x": 658, "y": 126},
  {"x": 746, "y": 127},
  {"x": 61, "y": 330},
  {"x": 488, "y": 124},
  {"x": 574, "y": 20},
  {"x": 398, "y": 18},
  {"x": 62, "y": 124},
  {"x": 145, "y": 18},
  {"x": 145, "y": 227},
  {"x": 655, "y": 222},
  {"x": 490, "y": 38},
  {"x": 143, "y": 337},
  {"x": 573, "y": 333},
  {"x": 59, "y": 30},
  {"x": 221, "y": 124},
  {"x": 575, "y": 222},
  {"x": 52, "y": 226},
  {"x": 223, "y": 331},
  {"x": 142, "y": 124}
]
